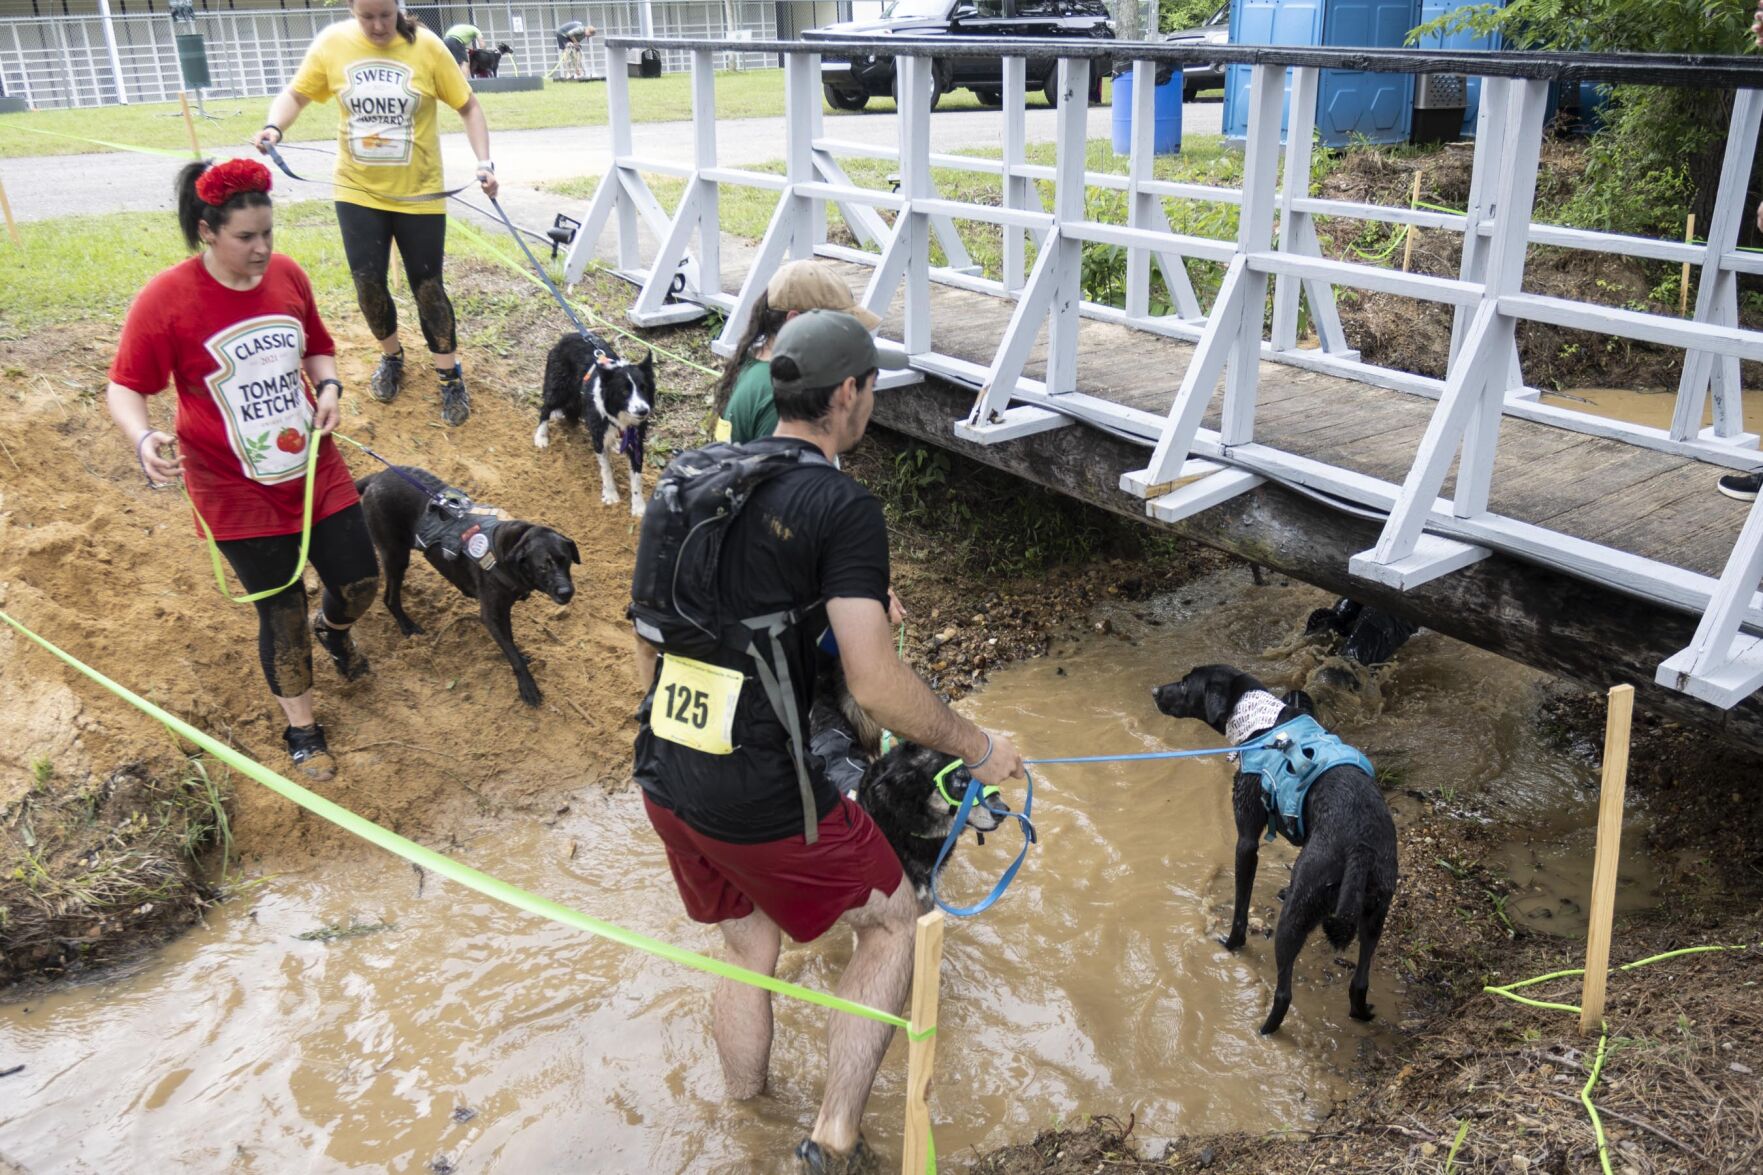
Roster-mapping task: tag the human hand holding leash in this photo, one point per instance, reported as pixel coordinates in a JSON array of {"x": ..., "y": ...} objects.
[
  {"x": 158, "y": 469},
  {"x": 328, "y": 413},
  {"x": 896, "y": 610},
  {"x": 266, "y": 138},
  {"x": 999, "y": 761},
  {"x": 486, "y": 178}
]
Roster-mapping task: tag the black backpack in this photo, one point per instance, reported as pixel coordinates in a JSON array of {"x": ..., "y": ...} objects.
[{"x": 676, "y": 601}]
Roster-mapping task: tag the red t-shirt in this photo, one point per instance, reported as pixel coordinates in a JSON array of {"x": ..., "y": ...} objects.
[{"x": 244, "y": 410}]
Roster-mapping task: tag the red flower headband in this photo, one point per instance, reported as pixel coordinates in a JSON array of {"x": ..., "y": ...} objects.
[{"x": 223, "y": 181}]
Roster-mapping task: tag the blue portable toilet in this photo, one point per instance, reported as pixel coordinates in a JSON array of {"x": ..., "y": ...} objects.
[{"x": 1350, "y": 105}]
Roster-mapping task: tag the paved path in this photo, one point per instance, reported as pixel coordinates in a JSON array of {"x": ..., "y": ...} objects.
[{"x": 74, "y": 185}]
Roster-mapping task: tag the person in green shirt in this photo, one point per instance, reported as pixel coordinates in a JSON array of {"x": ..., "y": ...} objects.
[
  {"x": 744, "y": 408},
  {"x": 460, "y": 40}
]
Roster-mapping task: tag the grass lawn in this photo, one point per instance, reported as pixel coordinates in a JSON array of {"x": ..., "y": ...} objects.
[{"x": 739, "y": 94}]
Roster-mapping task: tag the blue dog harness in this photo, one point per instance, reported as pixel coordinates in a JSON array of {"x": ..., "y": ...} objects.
[{"x": 1289, "y": 758}]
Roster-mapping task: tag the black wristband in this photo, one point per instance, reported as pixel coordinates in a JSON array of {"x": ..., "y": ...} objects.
[
  {"x": 270, "y": 126},
  {"x": 319, "y": 387}
]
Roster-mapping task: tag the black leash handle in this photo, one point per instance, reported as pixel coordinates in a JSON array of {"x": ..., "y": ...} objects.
[{"x": 421, "y": 198}]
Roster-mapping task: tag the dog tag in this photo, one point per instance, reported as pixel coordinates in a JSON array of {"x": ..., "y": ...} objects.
[{"x": 695, "y": 705}]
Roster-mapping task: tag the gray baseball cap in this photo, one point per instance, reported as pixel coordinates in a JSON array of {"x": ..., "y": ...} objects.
[{"x": 828, "y": 347}]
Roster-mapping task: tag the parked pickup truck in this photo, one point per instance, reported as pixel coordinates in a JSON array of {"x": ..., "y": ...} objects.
[{"x": 851, "y": 81}]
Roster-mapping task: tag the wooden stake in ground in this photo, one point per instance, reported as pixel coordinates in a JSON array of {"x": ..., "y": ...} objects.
[
  {"x": 1413, "y": 200},
  {"x": 927, "y": 963},
  {"x": 190, "y": 124},
  {"x": 1683, "y": 295},
  {"x": 1603, "y": 907},
  {"x": 11, "y": 225}
]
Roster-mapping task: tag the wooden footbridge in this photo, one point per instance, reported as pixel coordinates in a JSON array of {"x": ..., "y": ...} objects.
[{"x": 1590, "y": 548}]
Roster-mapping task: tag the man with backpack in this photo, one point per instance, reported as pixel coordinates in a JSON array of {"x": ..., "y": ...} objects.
[{"x": 748, "y": 554}]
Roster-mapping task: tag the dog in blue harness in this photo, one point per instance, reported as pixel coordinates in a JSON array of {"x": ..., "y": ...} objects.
[{"x": 1297, "y": 780}]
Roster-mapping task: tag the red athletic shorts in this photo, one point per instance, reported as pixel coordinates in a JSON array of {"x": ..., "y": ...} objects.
[{"x": 803, "y": 888}]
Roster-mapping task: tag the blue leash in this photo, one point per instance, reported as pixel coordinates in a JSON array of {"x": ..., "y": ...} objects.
[{"x": 972, "y": 794}]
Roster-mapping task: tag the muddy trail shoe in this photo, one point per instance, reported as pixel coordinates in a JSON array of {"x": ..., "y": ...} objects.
[
  {"x": 812, "y": 1159},
  {"x": 387, "y": 378},
  {"x": 306, "y": 747},
  {"x": 338, "y": 642},
  {"x": 455, "y": 400},
  {"x": 1743, "y": 486}
]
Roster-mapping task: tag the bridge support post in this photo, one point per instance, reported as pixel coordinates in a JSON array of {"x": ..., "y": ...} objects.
[
  {"x": 1020, "y": 193},
  {"x": 1717, "y": 292},
  {"x": 1145, "y": 212},
  {"x": 1297, "y": 233},
  {"x": 696, "y": 215},
  {"x": 1467, "y": 417}
]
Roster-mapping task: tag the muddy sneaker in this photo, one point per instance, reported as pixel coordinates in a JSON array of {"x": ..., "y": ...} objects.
[
  {"x": 387, "y": 378},
  {"x": 812, "y": 1159},
  {"x": 341, "y": 646},
  {"x": 1743, "y": 486},
  {"x": 306, "y": 747},
  {"x": 455, "y": 400}
]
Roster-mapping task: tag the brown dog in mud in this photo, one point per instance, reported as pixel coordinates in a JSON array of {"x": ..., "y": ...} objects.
[
  {"x": 496, "y": 560},
  {"x": 1345, "y": 877}
]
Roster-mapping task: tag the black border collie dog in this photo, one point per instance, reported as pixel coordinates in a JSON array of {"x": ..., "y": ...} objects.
[
  {"x": 586, "y": 382},
  {"x": 1345, "y": 875}
]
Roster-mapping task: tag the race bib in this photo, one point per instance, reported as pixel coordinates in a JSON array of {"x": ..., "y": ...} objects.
[
  {"x": 695, "y": 705},
  {"x": 258, "y": 387},
  {"x": 379, "y": 106}
]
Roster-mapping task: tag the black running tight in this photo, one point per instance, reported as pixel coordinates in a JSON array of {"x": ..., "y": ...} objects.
[
  {"x": 342, "y": 554},
  {"x": 368, "y": 234}
]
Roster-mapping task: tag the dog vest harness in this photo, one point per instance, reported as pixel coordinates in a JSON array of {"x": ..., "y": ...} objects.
[
  {"x": 1299, "y": 752},
  {"x": 450, "y": 523}
]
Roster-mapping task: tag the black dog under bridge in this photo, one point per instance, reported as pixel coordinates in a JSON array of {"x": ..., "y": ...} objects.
[{"x": 1589, "y": 548}]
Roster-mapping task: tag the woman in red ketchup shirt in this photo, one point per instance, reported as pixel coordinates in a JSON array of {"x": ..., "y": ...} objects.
[{"x": 236, "y": 329}]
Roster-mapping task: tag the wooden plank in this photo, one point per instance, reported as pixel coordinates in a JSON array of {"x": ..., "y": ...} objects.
[
  {"x": 921, "y": 1054},
  {"x": 1609, "y": 851}
]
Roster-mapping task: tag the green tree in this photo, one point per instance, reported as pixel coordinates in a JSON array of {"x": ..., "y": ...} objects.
[{"x": 1657, "y": 155}]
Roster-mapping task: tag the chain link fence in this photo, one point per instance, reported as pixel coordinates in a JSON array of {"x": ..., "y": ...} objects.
[{"x": 63, "y": 61}]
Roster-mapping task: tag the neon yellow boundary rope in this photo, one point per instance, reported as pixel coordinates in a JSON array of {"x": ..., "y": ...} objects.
[
  {"x": 483, "y": 883},
  {"x": 1585, "y": 1093},
  {"x": 32, "y": 130}
]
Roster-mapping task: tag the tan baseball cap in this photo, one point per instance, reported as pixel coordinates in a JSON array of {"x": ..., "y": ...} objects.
[{"x": 808, "y": 285}]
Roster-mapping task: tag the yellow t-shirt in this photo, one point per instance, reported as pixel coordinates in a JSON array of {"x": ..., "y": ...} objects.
[{"x": 386, "y": 137}]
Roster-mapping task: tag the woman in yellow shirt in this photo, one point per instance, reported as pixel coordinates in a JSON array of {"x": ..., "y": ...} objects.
[{"x": 386, "y": 72}]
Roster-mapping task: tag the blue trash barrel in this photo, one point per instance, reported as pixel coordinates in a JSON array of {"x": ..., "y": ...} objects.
[{"x": 1166, "y": 136}]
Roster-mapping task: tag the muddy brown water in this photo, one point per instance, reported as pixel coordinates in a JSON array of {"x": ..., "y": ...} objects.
[
  {"x": 1095, "y": 985},
  {"x": 1649, "y": 408}
]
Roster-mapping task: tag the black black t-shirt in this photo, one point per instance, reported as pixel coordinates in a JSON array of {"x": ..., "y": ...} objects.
[{"x": 808, "y": 535}]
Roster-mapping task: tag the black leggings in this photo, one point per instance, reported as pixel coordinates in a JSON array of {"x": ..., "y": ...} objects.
[
  {"x": 342, "y": 554},
  {"x": 368, "y": 234}
]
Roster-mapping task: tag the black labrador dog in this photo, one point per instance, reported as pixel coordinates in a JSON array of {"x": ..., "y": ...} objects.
[
  {"x": 495, "y": 560},
  {"x": 899, "y": 790},
  {"x": 1345, "y": 877}
]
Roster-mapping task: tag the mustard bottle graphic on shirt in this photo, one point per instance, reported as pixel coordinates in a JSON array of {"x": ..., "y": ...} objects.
[{"x": 380, "y": 106}]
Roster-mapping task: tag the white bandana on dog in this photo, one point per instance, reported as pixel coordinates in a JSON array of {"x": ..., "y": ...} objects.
[{"x": 1255, "y": 710}]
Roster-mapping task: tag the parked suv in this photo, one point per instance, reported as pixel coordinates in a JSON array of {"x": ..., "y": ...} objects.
[
  {"x": 1214, "y": 31},
  {"x": 850, "y": 82}
]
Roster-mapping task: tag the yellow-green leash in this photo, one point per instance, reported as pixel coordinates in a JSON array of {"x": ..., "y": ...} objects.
[{"x": 305, "y": 534}]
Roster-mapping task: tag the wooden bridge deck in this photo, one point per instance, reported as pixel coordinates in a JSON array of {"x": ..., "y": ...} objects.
[{"x": 1606, "y": 491}]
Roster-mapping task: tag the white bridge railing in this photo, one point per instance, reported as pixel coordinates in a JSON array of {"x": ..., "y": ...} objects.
[{"x": 1192, "y": 468}]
